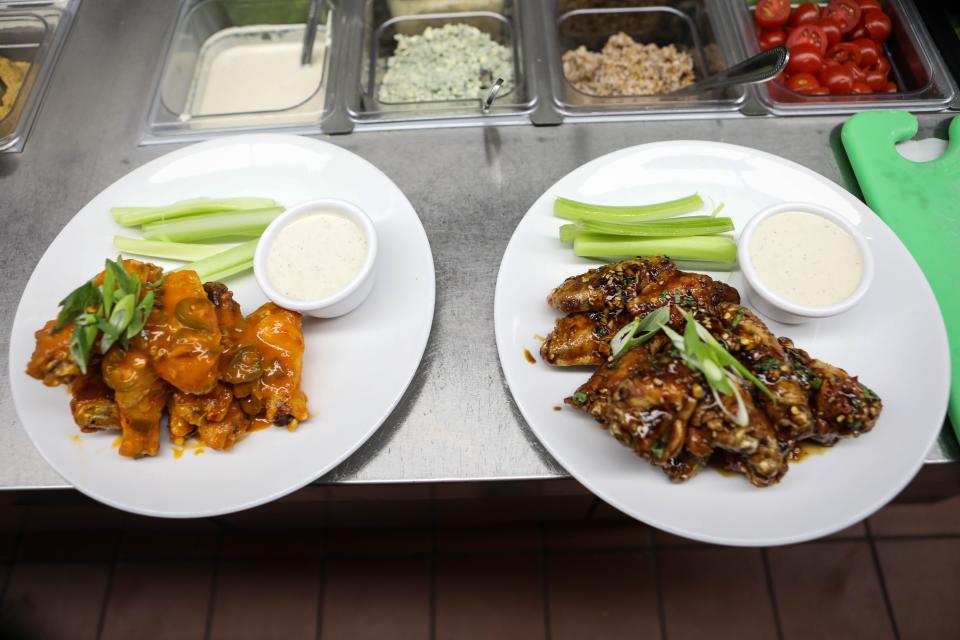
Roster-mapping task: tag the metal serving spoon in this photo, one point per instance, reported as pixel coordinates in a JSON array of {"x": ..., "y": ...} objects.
[{"x": 760, "y": 68}]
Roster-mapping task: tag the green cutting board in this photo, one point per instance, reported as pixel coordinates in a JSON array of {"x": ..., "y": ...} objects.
[{"x": 920, "y": 201}]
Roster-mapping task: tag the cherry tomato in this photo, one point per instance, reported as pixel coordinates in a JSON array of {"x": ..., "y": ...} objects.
[
  {"x": 805, "y": 14},
  {"x": 819, "y": 91},
  {"x": 859, "y": 32},
  {"x": 882, "y": 65},
  {"x": 861, "y": 87},
  {"x": 869, "y": 51},
  {"x": 876, "y": 80},
  {"x": 804, "y": 58},
  {"x": 845, "y": 52},
  {"x": 771, "y": 39},
  {"x": 837, "y": 78},
  {"x": 846, "y": 12},
  {"x": 867, "y": 5},
  {"x": 891, "y": 87},
  {"x": 877, "y": 24},
  {"x": 830, "y": 27},
  {"x": 859, "y": 75},
  {"x": 808, "y": 34},
  {"x": 772, "y": 14},
  {"x": 802, "y": 83}
]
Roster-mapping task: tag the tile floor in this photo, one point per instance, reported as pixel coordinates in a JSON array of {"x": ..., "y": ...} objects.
[{"x": 543, "y": 560}]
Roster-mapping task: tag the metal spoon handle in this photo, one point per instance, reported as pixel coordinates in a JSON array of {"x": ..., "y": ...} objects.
[{"x": 759, "y": 68}]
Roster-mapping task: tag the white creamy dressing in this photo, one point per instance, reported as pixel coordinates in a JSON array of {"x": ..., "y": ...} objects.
[
  {"x": 261, "y": 76},
  {"x": 316, "y": 256},
  {"x": 806, "y": 259}
]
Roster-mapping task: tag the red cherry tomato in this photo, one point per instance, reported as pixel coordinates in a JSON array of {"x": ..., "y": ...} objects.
[
  {"x": 802, "y": 83},
  {"x": 837, "y": 78},
  {"x": 804, "y": 58},
  {"x": 772, "y": 14},
  {"x": 808, "y": 34},
  {"x": 876, "y": 80},
  {"x": 877, "y": 24},
  {"x": 869, "y": 51},
  {"x": 867, "y": 5},
  {"x": 771, "y": 39},
  {"x": 845, "y": 12},
  {"x": 819, "y": 91},
  {"x": 882, "y": 65},
  {"x": 859, "y": 32},
  {"x": 844, "y": 52},
  {"x": 891, "y": 87},
  {"x": 861, "y": 87},
  {"x": 830, "y": 27},
  {"x": 807, "y": 13},
  {"x": 859, "y": 75}
]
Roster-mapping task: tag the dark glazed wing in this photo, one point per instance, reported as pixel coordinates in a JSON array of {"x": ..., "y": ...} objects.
[
  {"x": 690, "y": 291},
  {"x": 140, "y": 395},
  {"x": 746, "y": 337},
  {"x": 842, "y": 406},
  {"x": 610, "y": 286},
  {"x": 582, "y": 338}
]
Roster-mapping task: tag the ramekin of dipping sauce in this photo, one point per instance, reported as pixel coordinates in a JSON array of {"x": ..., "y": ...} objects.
[
  {"x": 802, "y": 261},
  {"x": 318, "y": 258}
]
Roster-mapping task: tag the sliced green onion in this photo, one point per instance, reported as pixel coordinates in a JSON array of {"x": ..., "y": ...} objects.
[
  {"x": 133, "y": 216},
  {"x": 170, "y": 250},
  {"x": 647, "y": 327},
  {"x": 573, "y": 210},
  {"x": 224, "y": 264},
  {"x": 214, "y": 225},
  {"x": 715, "y": 248},
  {"x": 678, "y": 227}
]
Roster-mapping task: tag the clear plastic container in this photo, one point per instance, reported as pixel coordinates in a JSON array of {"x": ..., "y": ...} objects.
[
  {"x": 916, "y": 68},
  {"x": 31, "y": 36},
  {"x": 692, "y": 26},
  {"x": 235, "y": 64},
  {"x": 381, "y": 29}
]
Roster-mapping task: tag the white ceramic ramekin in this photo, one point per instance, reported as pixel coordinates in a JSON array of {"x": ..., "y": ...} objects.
[
  {"x": 346, "y": 299},
  {"x": 769, "y": 303}
]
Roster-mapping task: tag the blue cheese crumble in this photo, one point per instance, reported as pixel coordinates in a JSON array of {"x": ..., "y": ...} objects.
[{"x": 452, "y": 62}]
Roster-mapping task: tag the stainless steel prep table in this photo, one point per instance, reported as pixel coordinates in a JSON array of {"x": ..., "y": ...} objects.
[{"x": 469, "y": 185}]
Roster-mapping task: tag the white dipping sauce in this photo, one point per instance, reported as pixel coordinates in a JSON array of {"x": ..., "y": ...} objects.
[
  {"x": 316, "y": 256},
  {"x": 263, "y": 76},
  {"x": 806, "y": 259}
]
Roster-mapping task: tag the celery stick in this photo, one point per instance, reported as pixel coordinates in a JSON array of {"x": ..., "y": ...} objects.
[
  {"x": 133, "y": 216},
  {"x": 721, "y": 249},
  {"x": 226, "y": 263},
  {"x": 568, "y": 232},
  {"x": 248, "y": 224},
  {"x": 679, "y": 227},
  {"x": 573, "y": 210},
  {"x": 169, "y": 250}
]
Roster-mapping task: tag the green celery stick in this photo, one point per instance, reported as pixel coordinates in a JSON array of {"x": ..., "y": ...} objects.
[
  {"x": 226, "y": 263},
  {"x": 573, "y": 210},
  {"x": 212, "y": 225},
  {"x": 134, "y": 216},
  {"x": 169, "y": 250},
  {"x": 716, "y": 248}
]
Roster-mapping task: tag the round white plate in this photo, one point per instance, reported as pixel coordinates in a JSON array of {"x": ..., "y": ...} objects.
[
  {"x": 894, "y": 340},
  {"x": 355, "y": 370}
]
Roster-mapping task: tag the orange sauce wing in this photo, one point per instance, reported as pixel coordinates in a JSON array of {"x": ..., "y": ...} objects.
[
  {"x": 183, "y": 335},
  {"x": 140, "y": 395}
]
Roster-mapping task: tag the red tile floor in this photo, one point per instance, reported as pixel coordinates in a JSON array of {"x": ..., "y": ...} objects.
[{"x": 495, "y": 560}]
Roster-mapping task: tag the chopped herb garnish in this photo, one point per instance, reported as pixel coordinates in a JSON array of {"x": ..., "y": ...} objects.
[
  {"x": 113, "y": 309},
  {"x": 855, "y": 426},
  {"x": 684, "y": 301},
  {"x": 639, "y": 331},
  {"x": 737, "y": 317},
  {"x": 657, "y": 449},
  {"x": 816, "y": 383},
  {"x": 868, "y": 393},
  {"x": 580, "y": 398},
  {"x": 765, "y": 365}
]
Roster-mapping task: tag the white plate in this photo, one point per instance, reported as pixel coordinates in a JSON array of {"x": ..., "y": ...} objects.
[
  {"x": 894, "y": 340},
  {"x": 356, "y": 368}
]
